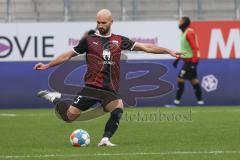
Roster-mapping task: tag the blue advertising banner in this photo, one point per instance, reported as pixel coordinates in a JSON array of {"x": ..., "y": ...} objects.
[{"x": 143, "y": 83}]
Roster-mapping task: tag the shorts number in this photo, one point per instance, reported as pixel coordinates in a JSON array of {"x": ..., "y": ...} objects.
[{"x": 77, "y": 100}]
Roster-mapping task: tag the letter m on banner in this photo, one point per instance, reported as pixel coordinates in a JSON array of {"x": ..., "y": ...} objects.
[
  {"x": 218, "y": 39},
  {"x": 224, "y": 48}
]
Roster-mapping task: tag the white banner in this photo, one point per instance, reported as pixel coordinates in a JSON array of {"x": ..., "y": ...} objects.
[{"x": 45, "y": 41}]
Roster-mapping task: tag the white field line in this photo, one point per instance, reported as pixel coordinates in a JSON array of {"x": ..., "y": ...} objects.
[
  {"x": 25, "y": 115},
  {"x": 119, "y": 154},
  {"x": 216, "y": 111},
  {"x": 8, "y": 115}
]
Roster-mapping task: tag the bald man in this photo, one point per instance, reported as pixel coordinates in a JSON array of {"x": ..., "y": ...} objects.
[{"x": 103, "y": 51}]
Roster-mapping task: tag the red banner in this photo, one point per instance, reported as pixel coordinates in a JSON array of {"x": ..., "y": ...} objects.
[{"x": 218, "y": 39}]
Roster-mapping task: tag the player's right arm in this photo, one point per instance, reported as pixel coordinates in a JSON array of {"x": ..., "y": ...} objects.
[
  {"x": 60, "y": 59},
  {"x": 79, "y": 49}
]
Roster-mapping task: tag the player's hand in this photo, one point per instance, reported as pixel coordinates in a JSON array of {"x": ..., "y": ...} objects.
[
  {"x": 40, "y": 66},
  {"x": 175, "y": 63},
  {"x": 176, "y": 54}
]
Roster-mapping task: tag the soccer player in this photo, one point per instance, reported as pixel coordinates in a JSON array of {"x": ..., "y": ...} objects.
[
  {"x": 189, "y": 44},
  {"x": 103, "y": 50}
]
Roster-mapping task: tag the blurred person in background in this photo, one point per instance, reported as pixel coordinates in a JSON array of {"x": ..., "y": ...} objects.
[{"x": 189, "y": 44}]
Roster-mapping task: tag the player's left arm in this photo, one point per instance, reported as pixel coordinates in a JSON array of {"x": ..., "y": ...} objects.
[
  {"x": 193, "y": 42},
  {"x": 151, "y": 48}
]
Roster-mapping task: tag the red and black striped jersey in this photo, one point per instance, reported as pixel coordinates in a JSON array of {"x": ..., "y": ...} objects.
[{"x": 103, "y": 59}]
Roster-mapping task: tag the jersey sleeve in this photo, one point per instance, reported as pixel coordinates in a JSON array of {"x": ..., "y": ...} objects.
[
  {"x": 127, "y": 44},
  {"x": 192, "y": 39},
  {"x": 81, "y": 47}
]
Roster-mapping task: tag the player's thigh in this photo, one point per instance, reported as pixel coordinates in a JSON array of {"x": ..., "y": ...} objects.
[
  {"x": 109, "y": 99},
  {"x": 117, "y": 103},
  {"x": 84, "y": 103},
  {"x": 193, "y": 75},
  {"x": 79, "y": 104},
  {"x": 183, "y": 73},
  {"x": 186, "y": 72}
]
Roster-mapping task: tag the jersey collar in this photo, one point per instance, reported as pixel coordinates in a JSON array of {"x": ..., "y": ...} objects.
[{"x": 98, "y": 34}]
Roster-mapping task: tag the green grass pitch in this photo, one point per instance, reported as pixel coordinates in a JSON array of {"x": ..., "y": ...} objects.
[{"x": 184, "y": 133}]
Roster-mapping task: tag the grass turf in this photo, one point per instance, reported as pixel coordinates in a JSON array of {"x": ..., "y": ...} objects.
[{"x": 145, "y": 133}]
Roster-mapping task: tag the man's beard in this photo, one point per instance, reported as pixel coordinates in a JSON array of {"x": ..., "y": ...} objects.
[
  {"x": 104, "y": 31},
  {"x": 184, "y": 26}
]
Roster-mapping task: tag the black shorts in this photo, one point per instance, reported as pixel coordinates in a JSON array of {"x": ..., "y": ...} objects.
[
  {"x": 188, "y": 71},
  {"x": 90, "y": 96}
]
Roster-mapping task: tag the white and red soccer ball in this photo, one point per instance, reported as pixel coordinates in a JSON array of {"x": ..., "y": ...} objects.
[{"x": 80, "y": 138}]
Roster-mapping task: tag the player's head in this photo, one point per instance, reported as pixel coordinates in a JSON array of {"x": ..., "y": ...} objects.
[
  {"x": 184, "y": 23},
  {"x": 104, "y": 21}
]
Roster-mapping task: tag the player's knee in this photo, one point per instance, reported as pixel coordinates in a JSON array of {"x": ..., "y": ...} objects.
[
  {"x": 112, "y": 105},
  {"x": 194, "y": 81},
  {"x": 180, "y": 80},
  {"x": 67, "y": 113},
  {"x": 67, "y": 117},
  {"x": 71, "y": 118},
  {"x": 73, "y": 113}
]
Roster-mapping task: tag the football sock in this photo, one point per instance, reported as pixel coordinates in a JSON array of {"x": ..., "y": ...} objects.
[
  {"x": 61, "y": 110},
  {"x": 198, "y": 92},
  {"x": 180, "y": 90},
  {"x": 113, "y": 122}
]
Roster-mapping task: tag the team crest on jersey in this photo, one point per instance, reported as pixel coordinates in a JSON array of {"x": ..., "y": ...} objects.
[
  {"x": 114, "y": 45},
  {"x": 107, "y": 56}
]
